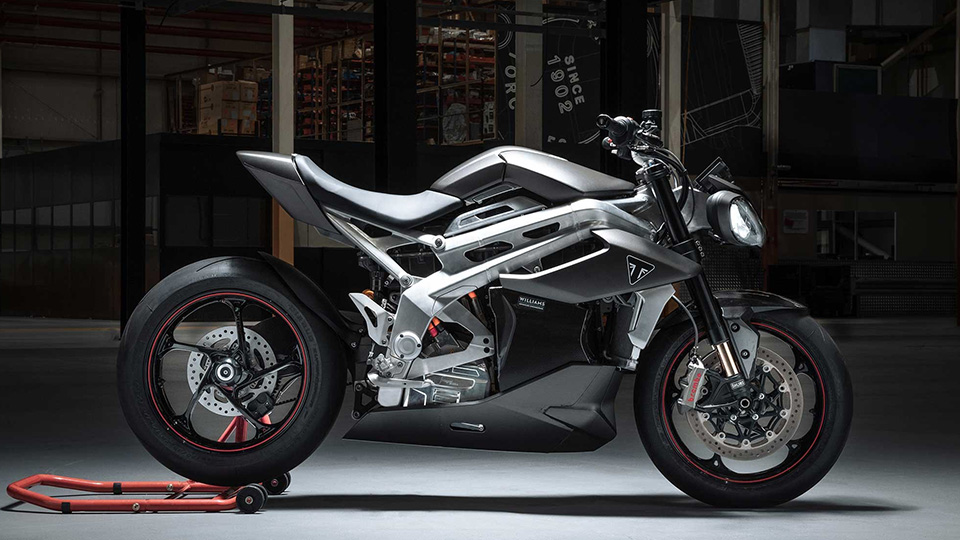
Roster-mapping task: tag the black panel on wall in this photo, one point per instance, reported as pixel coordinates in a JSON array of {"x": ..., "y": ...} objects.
[
  {"x": 853, "y": 137},
  {"x": 722, "y": 95}
]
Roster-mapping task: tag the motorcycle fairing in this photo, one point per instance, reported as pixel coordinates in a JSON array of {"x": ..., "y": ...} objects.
[
  {"x": 606, "y": 272},
  {"x": 570, "y": 409},
  {"x": 550, "y": 178}
]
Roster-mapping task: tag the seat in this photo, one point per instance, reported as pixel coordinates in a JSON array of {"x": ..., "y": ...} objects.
[{"x": 403, "y": 211}]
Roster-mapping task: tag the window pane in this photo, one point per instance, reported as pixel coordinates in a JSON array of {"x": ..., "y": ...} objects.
[
  {"x": 81, "y": 226},
  {"x": 103, "y": 224},
  {"x": 876, "y": 235},
  {"x": 239, "y": 222},
  {"x": 24, "y": 229},
  {"x": 186, "y": 222},
  {"x": 44, "y": 235},
  {"x": 835, "y": 234},
  {"x": 6, "y": 222},
  {"x": 61, "y": 226}
]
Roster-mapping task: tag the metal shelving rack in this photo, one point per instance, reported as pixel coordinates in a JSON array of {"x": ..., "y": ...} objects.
[
  {"x": 335, "y": 90},
  {"x": 456, "y": 85}
]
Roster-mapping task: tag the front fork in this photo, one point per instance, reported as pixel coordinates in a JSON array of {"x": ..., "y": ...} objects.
[{"x": 659, "y": 178}]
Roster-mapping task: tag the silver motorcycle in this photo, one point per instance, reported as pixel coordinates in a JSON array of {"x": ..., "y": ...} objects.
[{"x": 505, "y": 305}]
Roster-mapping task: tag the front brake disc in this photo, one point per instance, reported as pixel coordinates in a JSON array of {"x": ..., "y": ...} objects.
[{"x": 780, "y": 417}]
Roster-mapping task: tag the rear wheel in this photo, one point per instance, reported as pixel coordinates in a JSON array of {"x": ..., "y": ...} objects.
[
  {"x": 760, "y": 451},
  {"x": 225, "y": 377}
]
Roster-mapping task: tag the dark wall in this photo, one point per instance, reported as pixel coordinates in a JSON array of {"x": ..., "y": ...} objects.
[
  {"x": 60, "y": 213},
  {"x": 865, "y": 137},
  {"x": 60, "y": 254},
  {"x": 722, "y": 95}
]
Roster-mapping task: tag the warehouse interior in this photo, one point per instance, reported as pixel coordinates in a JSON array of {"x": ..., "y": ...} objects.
[{"x": 120, "y": 123}]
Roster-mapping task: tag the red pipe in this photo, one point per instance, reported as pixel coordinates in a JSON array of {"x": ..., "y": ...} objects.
[
  {"x": 81, "y": 44},
  {"x": 167, "y": 30}
]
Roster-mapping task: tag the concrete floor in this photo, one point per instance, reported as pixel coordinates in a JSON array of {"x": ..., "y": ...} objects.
[{"x": 899, "y": 476}]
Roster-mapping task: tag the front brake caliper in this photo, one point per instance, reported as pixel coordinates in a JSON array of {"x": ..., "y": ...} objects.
[{"x": 691, "y": 384}]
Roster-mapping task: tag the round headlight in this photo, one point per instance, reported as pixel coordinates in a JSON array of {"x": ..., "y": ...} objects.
[{"x": 733, "y": 218}]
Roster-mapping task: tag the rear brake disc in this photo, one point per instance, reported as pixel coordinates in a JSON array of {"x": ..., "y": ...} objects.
[{"x": 225, "y": 338}]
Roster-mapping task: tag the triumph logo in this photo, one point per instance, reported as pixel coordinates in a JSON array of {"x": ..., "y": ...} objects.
[{"x": 637, "y": 269}]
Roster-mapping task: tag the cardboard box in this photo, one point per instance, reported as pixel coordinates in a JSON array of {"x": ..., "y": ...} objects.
[
  {"x": 327, "y": 54},
  {"x": 219, "y": 126},
  {"x": 247, "y": 111},
  {"x": 248, "y": 127},
  {"x": 247, "y": 73},
  {"x": 348, "y": 48},
  {"x": 228, "y": 110},
  {"x": 207, "y": 127},
  {"x": 212, "y": 93},
  {"x": 229, "y": 127},
  {"x": 248, "y": 90}
]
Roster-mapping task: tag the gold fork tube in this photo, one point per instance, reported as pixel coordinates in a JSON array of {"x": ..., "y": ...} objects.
[{"x": 728, "y": 361}]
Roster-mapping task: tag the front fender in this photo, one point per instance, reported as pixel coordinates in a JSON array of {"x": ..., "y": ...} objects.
[
  {"x": 739, "y": 304},
  {"x": 739, "y": 308}
]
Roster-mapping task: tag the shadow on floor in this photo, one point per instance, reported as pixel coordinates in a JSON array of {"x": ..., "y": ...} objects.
[{"x": 577, "y": 505}]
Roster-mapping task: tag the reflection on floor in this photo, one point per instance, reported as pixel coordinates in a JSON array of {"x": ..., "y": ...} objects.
[{"x": 898, "y": 477}]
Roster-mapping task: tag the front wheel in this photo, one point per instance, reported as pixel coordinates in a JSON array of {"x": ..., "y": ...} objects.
[
  {"x": 760, "y": 452},
  {"x": 225, "y": 376}
]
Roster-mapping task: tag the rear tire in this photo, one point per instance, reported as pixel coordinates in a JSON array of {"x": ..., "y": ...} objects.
[
  {"x": 725, "y": 488},
  {"x": 321, "y": 390}
]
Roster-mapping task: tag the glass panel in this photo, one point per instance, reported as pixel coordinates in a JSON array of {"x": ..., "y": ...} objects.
[
  {"x": 81, "y": 226},
  {"x": 835, "y": 234},
  {"x": 103, "y": 236},
  {"x": 7, "y": 231},
  {"x": 44, "y": 234},
  {"x": 24, "y": 229},
  {"x": 240, "y": 222},
  {"x": 186, "y": 221},
  {"x": 876, "y": 235},
  {"x": 61, "y": 226}
]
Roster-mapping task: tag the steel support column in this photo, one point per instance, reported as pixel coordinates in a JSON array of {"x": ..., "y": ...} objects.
[
  {"x": 133, "y": 157},
  {"x": 625, "y": 66},
  {"x": 671, "y": 77},
  {"x": 395, "y": 94},
  {"x": 1, "y": 104},
  {"x": 282, "y": 125},
  {"x": 529, "y": 113},
  {"x": 771, "y": 128}
]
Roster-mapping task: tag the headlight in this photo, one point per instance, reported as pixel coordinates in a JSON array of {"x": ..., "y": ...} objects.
[{"x": 733, "y": 218}]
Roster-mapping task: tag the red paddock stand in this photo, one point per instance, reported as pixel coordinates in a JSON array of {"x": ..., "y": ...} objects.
[{"x": 248, "y": 499}]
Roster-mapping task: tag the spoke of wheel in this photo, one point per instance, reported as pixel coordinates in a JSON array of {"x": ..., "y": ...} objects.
[
  {"x": 235, "y": 401},
  {"x": 275, "y": 369},
  {"x": 237, "y": 307},
  {"x": 177, "y": 346},
  {"x": 186, "y": 417}
]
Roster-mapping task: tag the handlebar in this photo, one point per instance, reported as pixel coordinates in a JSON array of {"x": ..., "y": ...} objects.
[{"x": 624, "y": 131}]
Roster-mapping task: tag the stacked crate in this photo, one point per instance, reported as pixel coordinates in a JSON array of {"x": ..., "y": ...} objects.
[{"x": 228, "y": 108}]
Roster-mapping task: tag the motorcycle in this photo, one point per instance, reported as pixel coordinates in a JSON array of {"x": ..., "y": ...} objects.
[{"x": 505, "y": 305}]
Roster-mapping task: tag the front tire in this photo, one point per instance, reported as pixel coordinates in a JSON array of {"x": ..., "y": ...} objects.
[
  {"x": 682, "y": 452},
  {"x": 158, "y": 391}
]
